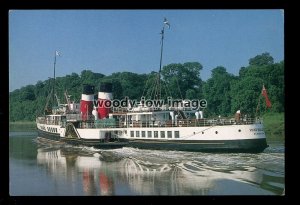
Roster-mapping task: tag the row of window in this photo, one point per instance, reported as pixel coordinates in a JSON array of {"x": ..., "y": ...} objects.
[
  {"x": 52, "y": 129},
  {"x": 155, "y": 134}
]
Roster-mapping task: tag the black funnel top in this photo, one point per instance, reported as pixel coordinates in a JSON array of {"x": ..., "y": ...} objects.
[
  {"x": 106, "y": 87},
  {"x": 88, "y": 89}
]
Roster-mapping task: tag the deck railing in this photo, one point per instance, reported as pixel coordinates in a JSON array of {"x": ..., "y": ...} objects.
[{"x": 148, "y": 124}]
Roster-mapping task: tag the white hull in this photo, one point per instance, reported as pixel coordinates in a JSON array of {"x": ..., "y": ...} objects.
[
  {"x": 230, "y": 132},
  {"x": 231, "y": 137}
]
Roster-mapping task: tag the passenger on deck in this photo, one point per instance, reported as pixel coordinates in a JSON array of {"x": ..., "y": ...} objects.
[{"x": 237, "y": 116}]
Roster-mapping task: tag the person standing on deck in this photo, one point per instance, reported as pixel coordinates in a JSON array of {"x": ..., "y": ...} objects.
[{"x": 238, "y": 116}]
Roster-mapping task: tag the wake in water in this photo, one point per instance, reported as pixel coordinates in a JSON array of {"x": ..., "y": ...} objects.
[{"x": 186, "y": 171}]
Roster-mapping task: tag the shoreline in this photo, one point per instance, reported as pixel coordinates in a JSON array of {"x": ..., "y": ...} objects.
[{"x": 22, "y": 126}]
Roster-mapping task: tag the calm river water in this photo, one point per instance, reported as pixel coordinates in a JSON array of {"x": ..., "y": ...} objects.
[{"x": 44, "y": 170}]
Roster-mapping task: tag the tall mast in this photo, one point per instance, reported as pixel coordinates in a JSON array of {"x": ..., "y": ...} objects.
[
  {"x": 53, "y": 94},
  {"x": 166, "y": 22},
  {"x": 162, "y": 45},
  {"x": 161, "y": 52},
  {"x": 55, "y": 54}
]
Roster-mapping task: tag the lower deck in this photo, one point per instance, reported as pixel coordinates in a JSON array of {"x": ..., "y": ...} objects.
[
  {"x": 237, "y": 145},
  {"x": 108, "y": 143}
]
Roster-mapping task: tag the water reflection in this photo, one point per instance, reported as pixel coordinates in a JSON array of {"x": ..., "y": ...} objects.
[
  {"x": 61, "y": 163},
  {"x": 129, "y": 171}
]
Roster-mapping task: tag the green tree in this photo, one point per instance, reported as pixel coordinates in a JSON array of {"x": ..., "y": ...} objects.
[
  {"x": 181, "y": 78},
  {"x": 27, "y": 93},
  {"x": 88, "y": 77},
  {"x": 245, "y": 94},
  {"x": 132, "y": 84},
  {"x": 261, "y": 60},
  {"x": 216, "y": 92},
  {"x": 270, "y": 75},
  {"x": 225, "y": 93}
]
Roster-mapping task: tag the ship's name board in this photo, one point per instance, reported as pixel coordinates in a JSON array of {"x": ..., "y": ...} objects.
[{"x": 257, "y": 130}]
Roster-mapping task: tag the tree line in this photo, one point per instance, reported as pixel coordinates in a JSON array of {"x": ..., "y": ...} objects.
[{"x": 225, "y": 93}]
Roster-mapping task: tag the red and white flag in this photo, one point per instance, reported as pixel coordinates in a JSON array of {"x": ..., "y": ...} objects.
[{"x": 264, "y": 93}]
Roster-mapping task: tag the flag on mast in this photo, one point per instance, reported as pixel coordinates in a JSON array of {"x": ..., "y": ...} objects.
[
  {"x": 167, "y": 22},
  {"x": 57, "y": 53},
  {"x": 264, "y": 93}
]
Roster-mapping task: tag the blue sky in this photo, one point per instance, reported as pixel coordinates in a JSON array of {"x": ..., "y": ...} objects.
[{"x": 107, "y": 41}]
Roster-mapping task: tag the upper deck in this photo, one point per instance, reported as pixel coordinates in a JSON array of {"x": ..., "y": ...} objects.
[{"x": 144, "y": 119}]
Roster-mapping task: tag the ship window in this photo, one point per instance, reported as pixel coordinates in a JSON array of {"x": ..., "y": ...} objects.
[
  {"x": 137, "y": 133},
  {"x": 143, "y": 134},
  {"x": 131, "y": 133},
  {"x": 176, "y": 134},
  {"x": 162, "y": 134},
  {"x": 149, "y": 134},
  {"x": 239, "y": 130},
  {"x": 155, "y": 134},
  {"x": 216, "y": 132},
  {"x": 169, "y": 134}
]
